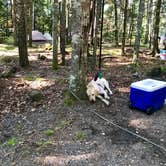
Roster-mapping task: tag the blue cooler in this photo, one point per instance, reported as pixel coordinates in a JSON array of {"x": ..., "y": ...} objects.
[{"x": 147, "y": 95}]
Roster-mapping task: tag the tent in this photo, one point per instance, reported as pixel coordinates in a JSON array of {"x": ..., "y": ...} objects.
[
  {"x": 48, "y": 37},
  {"x": 38, "y": 37}
]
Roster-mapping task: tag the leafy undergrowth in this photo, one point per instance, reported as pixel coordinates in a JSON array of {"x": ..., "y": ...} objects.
[{"x": 58, "y": 130}]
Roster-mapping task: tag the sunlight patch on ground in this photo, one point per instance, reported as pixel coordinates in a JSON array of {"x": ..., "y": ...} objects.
[
  {"x": 112, "y": 51},
  {"x": 64, "y": 159},
  {"x": 124, "y": 90},
  {"x": 39, "y": 83},
  {"x": 140, "y": 123}
]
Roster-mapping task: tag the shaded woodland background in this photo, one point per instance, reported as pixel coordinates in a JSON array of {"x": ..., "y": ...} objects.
[{"x": 85, "y": 26}]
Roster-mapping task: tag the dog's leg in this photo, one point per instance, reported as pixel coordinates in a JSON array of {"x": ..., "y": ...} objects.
[
  {"x": 105, "y": 94},
  {"x": 104, "y": 100},
  {"x": 106, "y": 84}
]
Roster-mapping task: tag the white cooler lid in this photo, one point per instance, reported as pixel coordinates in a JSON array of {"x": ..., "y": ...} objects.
[{"x": 149, "y": 85}]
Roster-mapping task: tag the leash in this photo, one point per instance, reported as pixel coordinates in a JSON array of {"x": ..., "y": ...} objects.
[{"x": 120, "y": 127}]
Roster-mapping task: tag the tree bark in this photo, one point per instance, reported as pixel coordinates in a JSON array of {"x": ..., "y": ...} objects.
[
  {"x": 116, "y": 24},
  {"x": 80, "y": 22},
  {"x": 21, "y": 33},
  {"x": 14, "y": 23},
  {"x": 63, "y": 30},
  {"x": 124, "y": 27},
  {"x": 148, "y": 20},
  {"x": 55, "y": 19},
  {"x": 97, "y": 27},
  {"x": 139, "y": 30},
  {"x": 156, "y": 28},
  {"x": 29, "y": 12}
]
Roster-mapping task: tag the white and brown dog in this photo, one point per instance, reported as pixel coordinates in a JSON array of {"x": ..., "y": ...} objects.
[{"x": 99, "y": 88}]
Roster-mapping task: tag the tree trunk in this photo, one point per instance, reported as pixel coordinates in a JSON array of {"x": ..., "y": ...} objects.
[
  {"x": 80, "y": 21},
  {"x": 139, "y": 30},
  {"x": 131, "y": 27},
  {"x": 55, "y": 34},
  {"x": 97, "y": 27},
  {"x": 124, "y": 27},
  {"x": 63, "y": 30},
  {"x": 14, "y": 22},
  {"x": 116, "y": 24},
  {"x": 156, "y": 28},
  {"x": 29, "y": 8},
  {"x": 148, "y": 20},
  {"x": 21, "y": 33},
  {"x": 68, "y": 32}
]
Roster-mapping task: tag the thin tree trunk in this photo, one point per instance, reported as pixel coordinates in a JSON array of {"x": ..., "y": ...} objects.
[
  {"x": 139, "y": 30},
  {"x": 97, "y": 27},
  {"x": 116, "y": 24},
  {"x": 148, "y": 20},
  {"x": 14, "y": 22},
  {"x": 131, "y": 28},
  {"x": 55, "y": 19},
  {"x": 21, "y": 33},
  {"x": 63, "y": 30},
  {"x": 156, "y": 28},
  {"x": 29, "y": 8},
  {"x": 30, "y": 21},
  {"x": 124, "y": 27}
]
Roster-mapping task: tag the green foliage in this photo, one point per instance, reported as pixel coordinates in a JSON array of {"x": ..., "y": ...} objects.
[
  {"x": 80, "y": 135},
  {"x": 163, "y": 69},
  {"x": 8, "y": 59},
  {"x": 12, "y": 142},
  {"x": 9, "y": 47},
  {"x": 30, "y": 78},
  {"x": 63, "y": 124},
  {"x": 9, "y": 40},
  {"x": 68, "y": 99},
  {"x": 43, "y": 15},
  {"x": 49, "y": 132}
]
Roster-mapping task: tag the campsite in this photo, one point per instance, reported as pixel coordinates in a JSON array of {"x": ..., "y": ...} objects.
[{"x": 46, "y": 117}]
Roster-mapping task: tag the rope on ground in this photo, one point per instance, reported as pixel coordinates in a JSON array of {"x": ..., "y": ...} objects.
[{"x": 120, "y": 127}]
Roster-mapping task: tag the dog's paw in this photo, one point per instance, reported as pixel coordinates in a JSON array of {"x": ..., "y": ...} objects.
[
  {"x": 107, "y": 97},
  {"x": 106, "y": 102}
]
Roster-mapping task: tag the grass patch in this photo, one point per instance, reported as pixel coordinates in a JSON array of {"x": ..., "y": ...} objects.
[
  {"x": 43, "y": 144},
  {"x": 49, "y": 132},
  {"x": 19, "y": 126},
  {"x": 12, "y": 142},
  {"x": 80, "y": 135},
  {"x": 68, "y": 99},
  {"x": 8, "y": 59},
  {"x": 30, "y": 78},
  {"x": 8, "y": 40},
  {"x": 63, "y": 124},
  {"x": 10, "y": 47},
  {"x": 111, "y": 51}
]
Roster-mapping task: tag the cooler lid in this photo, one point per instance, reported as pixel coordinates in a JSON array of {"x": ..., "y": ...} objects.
[{"x": 149, "y": 85}]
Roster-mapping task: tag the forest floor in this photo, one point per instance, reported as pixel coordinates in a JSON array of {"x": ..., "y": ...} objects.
[{"x": 59, "y": 131}]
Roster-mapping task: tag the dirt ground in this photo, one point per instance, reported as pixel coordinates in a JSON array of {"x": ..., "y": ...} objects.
[{"x": 57, "y": 131}]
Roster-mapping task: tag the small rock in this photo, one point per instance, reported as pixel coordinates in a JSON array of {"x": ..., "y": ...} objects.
[
  {"x": 35, "y": 95},
  {"x": 162, "y": 140}
]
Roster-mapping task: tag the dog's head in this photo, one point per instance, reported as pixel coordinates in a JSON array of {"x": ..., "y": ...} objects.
[{"x": 92, "y": 92}]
